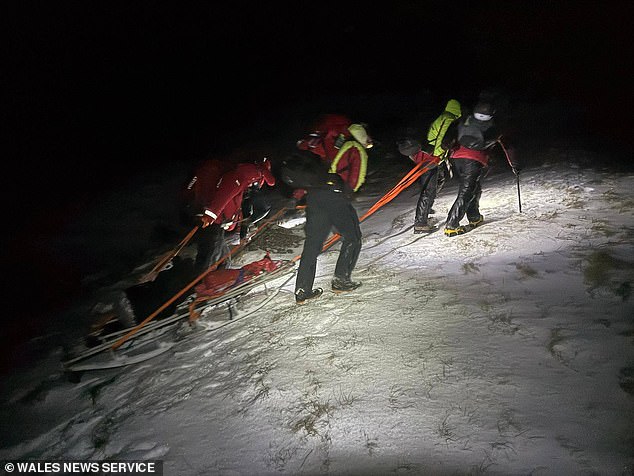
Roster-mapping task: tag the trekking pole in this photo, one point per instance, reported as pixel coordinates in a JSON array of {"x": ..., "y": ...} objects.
[
  {"x": 213, "y": 267},
  {"x": 151, "y": 275},
  {"x": 517, "y": 174},
  {"x": 519, "y": 199}
]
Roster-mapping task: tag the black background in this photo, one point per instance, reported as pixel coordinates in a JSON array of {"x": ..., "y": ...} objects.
[{"x": 109, "y": 83}]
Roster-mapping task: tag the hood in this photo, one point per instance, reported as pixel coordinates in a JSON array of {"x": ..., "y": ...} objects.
[
  {"x": 453, "y": 107},
  {"x": 361, "y": 135},
  {"x": 256, "y": 174},
  {"x": 332, "y": 125},
  {"x": 267, "y": 175}
]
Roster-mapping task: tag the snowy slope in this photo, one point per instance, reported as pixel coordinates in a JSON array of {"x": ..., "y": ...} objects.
[{"x": 507, "y": 350}]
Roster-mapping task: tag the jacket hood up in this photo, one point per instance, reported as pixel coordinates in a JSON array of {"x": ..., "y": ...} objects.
[{"x": 453, "y": 107}]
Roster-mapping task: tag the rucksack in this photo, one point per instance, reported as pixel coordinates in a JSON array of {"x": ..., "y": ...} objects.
[
  {"x": 472, "y": 134},
  {"x": 201, "y": 186},
  {"x": 303, "y": 169}
]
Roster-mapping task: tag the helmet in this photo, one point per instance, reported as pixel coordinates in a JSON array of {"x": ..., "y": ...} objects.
[
  {"x": 409, "y": 147},
  {"x": 483, "y": 111},
  {"x": 360, "y": 134}
]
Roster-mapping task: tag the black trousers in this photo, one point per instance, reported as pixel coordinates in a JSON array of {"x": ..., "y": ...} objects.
[
  {"x": 431, "y": 182},
  {"x": 210, "y": 241},
  {"x": 469, "y": 173},
  {"x": 326, "y": 209},
  {"x": 211, "y": 247}
]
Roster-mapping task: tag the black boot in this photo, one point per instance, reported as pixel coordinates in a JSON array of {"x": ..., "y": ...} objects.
[
  {"x": 341, "y": 285},
  {"x": 302, "y": 296},
  {"x": 420, "y": 228}
]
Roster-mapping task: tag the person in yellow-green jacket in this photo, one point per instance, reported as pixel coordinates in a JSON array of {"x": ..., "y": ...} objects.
[
  {"x": 439, "y": 127},
  {"x": 433, "y": 180}
]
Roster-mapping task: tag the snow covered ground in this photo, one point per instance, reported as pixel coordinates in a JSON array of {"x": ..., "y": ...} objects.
[{"x": 507, "y": 350}]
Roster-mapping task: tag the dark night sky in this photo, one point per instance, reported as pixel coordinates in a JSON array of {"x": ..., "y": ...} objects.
[
  {"x": 95, "y": 90},
  {"x": 92, "y": 78}
]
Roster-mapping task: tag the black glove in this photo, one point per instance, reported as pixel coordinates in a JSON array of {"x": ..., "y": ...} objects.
[
  {"x": 335, "y": 183},
  {"x": 338, "y": 185}
]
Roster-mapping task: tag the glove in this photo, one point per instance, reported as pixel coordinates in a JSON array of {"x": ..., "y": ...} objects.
[
  {"x": 299, "y": 193},
  {"x": 206, "y": 221},
  {"x": 335, "y": 183},
  {"x": 338, "y": 185},
  {"x": 208, "y": 218}
]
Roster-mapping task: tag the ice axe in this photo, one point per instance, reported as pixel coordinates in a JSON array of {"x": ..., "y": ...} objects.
[{"x": 153, "y": 273}]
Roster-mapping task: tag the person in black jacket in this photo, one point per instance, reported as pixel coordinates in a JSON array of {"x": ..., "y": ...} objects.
[
  {"x": 327, "y": 206},
  {"x": 471, "y": 140}
]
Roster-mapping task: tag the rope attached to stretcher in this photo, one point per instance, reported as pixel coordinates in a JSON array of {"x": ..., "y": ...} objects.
[
  {"x": 233, "y": 251},
  {"x": 404, "y": 183}
]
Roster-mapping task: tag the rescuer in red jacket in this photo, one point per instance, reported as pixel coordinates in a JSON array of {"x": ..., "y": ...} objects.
[
  {"x": 218, "y": 199},
  {"x": 225, "y": 208}
]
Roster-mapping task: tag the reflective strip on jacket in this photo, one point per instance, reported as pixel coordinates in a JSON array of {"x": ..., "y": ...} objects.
[
  {"x": 351, "y": 163},
  {"x": 226, "y": 203}
]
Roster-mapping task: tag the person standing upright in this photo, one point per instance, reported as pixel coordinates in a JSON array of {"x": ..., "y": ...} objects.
[
  {"x": 433, "y": 180},
  {"x": 428, "y": 181},
  {"x": 470, "y": 141},
  {"x": 327, "y": 206},
  {"x": 435, "y": 136},
  {"x": 439, "y": 126}
]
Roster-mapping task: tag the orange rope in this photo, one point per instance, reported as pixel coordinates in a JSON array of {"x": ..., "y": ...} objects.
[
  {"x": 404, "y": 183},
  {"x": 233, "y": 251},
  {"x": 151, "y": 275}
]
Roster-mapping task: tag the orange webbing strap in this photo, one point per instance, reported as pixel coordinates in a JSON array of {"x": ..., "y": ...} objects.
[
  {"x": 233, "y": 251},
  {"x": 151, "y": 275},
  {"x": 404, "y": 183}
]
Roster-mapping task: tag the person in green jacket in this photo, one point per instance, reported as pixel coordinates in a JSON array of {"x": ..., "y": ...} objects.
[
  {"x": 439, "y": 127},
  {"x": 433, "y": 180}
]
